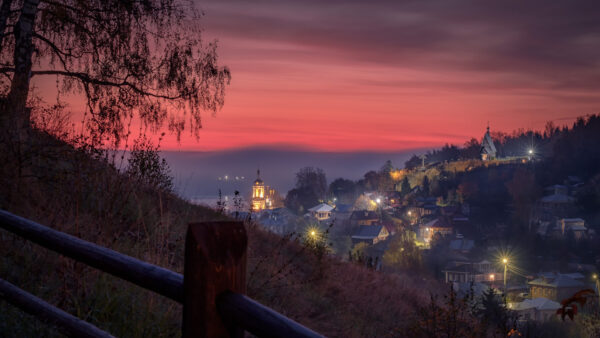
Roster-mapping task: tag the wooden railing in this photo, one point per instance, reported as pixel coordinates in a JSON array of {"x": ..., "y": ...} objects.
[{"x": 211, "y": 289}]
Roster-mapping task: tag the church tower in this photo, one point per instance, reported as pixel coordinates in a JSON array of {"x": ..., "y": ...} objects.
[
  {"x": 488, "y": 149},
  {"x": 258, "y": 194}
]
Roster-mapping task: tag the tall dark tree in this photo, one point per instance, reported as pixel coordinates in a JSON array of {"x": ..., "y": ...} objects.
[
  {"x": 309, "y": 178},
  {"x": 471, "y": 150},
  {"x": 405, "y": 186},
  {"x": 494, "y": 314},
  {"x": 425, "y": 185},
  {"x": 386, "y": 183},
  {"x": 128, "y": 58},
  {"x": 370, "y": 181},
  {"x": 311, "y": 187},
  {"x": 413, "y": 162},
  {"x": 344, "y": 190}
]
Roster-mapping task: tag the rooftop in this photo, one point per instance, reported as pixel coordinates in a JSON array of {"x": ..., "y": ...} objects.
[
  {"x": 557, "y": 198},
  {"x": 321, "y": 208},
  {"x": 462, "y": 244},
  {"x": 540, "y": 303},
  {"x": 559, "y": 281},
  {"x": 368, "y": 231}
]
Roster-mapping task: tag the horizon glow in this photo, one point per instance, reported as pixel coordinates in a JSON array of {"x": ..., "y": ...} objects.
[{"x": 388, "y": 76}]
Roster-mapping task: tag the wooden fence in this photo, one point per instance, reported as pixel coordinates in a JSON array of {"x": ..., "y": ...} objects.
[{"x": 211, "y": 289}]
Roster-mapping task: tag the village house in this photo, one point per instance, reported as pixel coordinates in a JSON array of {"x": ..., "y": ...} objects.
[
  {"x": 539, "y": 309},
  {"x": 278, "y": 220},
  {"x": 439, "y": 226},
  {"x": 394, "y": 199},
  {"x": 371, "y": 234},
  {"x": 574, "y": 225},
  {"x": 558, "y": 204},
  {"x": 464, "y": 272},
  {"x": 461, "y": 244},
  {"x": 364, "y": 217},
  {"x": 321, "y": 212},
  {"x": 555, "y": 286}
]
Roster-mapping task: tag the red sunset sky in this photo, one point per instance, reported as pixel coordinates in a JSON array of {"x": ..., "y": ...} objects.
[{"x": 389, "y": 75}]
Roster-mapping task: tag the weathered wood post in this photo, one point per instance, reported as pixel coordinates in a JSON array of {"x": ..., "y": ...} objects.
[{"x": 215, "y": 261}]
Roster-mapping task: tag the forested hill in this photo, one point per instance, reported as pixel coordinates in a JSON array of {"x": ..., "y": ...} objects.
[{"x": 570, "y": 150}]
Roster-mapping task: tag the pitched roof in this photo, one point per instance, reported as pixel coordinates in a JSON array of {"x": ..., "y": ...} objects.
[
  {"x": 368, "y": 231},
  {"x": 560, "y": 281},
  {"x": 540, "y": 303},
  {"x": 487, "y": 144},
  {"x": 321, "y": 208},
  {"x": 557, "y": 198},
  {"x": 462, "y": 244}
]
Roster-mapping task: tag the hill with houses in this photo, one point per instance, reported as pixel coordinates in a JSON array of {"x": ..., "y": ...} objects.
[{"x": 524, "y": 224}]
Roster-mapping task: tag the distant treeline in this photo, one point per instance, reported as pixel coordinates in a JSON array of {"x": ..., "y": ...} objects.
[{"x": 565, "y": 145}]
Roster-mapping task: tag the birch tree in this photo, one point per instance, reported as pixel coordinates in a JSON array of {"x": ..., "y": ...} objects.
[{"x": 143, "y": 58}]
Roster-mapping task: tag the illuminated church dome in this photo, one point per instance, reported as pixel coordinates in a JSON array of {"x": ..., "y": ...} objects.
[
  {"x": 258, "y": 194},
  {"x": 258, "y": 181}
]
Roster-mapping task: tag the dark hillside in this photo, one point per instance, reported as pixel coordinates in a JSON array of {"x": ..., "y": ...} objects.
[{"x": 81, "y": 191}]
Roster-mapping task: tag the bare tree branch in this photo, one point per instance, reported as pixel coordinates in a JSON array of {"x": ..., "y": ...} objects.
[{"x": 83, "y": 77}]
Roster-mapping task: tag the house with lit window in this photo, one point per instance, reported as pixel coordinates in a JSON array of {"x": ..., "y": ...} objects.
[
  {"x": 539, "y": 309},
  {"x": 467, "y": 271},
  {"x": 556, "y": 286},
  {"x": 574, "y": 225},
  {"x": 321, "y": 212},
  {"x": 438, "y": 226},
  {"x": 364, "y": 217}
]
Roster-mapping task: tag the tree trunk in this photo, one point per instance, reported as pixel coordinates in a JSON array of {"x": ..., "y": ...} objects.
[
  {"x": 4, "y": 13},
  {"x": 19, "y": 89}
]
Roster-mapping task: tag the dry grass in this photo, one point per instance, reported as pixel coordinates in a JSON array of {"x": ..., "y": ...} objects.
[{"x": 71, "y": 192}]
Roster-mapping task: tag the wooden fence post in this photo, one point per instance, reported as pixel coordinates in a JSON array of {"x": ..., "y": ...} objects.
[{"x": 215, "y": 261}]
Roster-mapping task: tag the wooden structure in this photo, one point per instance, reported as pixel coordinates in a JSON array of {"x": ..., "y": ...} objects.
[{"x": 211, "y": 289}]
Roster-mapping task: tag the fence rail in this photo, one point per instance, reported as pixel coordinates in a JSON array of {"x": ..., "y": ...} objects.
[{"x": 211, "y": 289}]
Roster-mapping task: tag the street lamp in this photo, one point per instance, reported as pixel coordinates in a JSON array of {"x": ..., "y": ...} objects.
[
  {"x": 505, "y": 262},
  {"x": 378, "y": 200},
  {"x": 595, "y": 277}
]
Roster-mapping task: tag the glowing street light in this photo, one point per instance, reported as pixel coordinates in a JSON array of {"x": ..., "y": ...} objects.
[
  {"x": 505, "y": 262},
  {"x": 378, "y": 200},
  {"x": 312, "y": 233},
  {"x": 530, "y": 151}
]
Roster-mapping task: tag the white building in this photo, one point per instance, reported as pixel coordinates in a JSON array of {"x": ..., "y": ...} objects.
[
  {"x": 539, "y": 309},
  {"x": 321, "y": 212}
]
